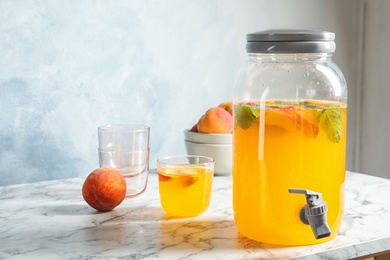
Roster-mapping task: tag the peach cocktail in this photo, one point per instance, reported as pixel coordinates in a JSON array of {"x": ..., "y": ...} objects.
[
  {"x": 282, "y": 144},
  {"x": 185, "y": 184}
]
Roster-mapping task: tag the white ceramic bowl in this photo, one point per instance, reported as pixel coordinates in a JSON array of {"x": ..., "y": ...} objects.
[
  {"x": 207, "y": 138},
  {"x": 222, "y": 154}
]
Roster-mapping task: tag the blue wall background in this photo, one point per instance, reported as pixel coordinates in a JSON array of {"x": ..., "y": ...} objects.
[{"x": 67, "y": 67}]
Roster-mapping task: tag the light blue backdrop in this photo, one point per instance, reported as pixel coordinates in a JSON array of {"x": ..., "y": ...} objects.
[{"x": 67, "y": 67}]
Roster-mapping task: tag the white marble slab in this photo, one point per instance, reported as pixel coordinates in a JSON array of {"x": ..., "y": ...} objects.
[{"x": 50, "y": 220}]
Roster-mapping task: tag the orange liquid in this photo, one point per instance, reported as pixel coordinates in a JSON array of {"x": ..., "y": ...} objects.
[
  {"x": 296, "y": 152},
  {"x": 185, "y": 192}
]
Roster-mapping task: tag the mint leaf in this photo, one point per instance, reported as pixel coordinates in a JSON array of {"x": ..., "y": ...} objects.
[
  {"x": 330, "y": 121},
  {"x": 284, "y": 102},
  {"x": 244, "y": 116},
  {"x": 308, "y": 104}
]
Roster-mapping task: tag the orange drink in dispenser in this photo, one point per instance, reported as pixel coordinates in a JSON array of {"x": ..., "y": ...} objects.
[
  {"x": 289, "y": 139},
  {"x": 287, "y": 144}
]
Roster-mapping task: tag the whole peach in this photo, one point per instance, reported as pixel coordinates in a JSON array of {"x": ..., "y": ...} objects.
[
  {"x": 228, "y": 106},
  {"x": 104, "y": 189},
  {"x": 194, "y": 128},
  {"x": 216, "y": 120}
]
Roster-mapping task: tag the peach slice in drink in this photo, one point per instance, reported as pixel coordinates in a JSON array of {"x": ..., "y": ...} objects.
[
  {"x": 289, "y": 120},
  {"x": 189, "y": 180},
  {"x": 282, "y": 119},
  {"x": 309, "y": 124},
  {"x": 162, "y": 177},
  {"x": 185, "y": 179}
]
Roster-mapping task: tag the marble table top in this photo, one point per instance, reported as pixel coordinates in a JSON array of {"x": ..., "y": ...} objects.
[{"x": 50, "y": 220}]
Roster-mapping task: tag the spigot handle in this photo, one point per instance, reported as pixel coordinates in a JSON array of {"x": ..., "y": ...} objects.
[
  {"x": 314, "y": 213},
  {"x": 312, "y": 198}
]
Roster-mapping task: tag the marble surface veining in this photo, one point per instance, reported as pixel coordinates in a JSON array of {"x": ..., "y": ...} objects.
[{"x": 50, "y": 220}]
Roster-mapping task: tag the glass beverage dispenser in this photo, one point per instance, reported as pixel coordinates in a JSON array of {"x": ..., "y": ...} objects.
[{"x": 289, "y": 139}]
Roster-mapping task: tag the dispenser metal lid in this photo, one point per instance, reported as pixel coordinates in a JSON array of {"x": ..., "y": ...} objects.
[{"x": 291, "y": 41}]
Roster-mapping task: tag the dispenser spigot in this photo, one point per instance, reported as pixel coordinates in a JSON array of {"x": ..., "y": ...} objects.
[{"x": 314, "y": 212}]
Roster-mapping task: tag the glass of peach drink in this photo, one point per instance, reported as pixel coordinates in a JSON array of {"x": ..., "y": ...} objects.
[{"x": 185, "y": 184}]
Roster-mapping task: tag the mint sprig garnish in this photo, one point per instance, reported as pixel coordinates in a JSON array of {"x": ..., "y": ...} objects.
[
  {"x": 244, "y": 116},
  {"x": 330, "y": 121},
  {"x": 308, "y": 104}
]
